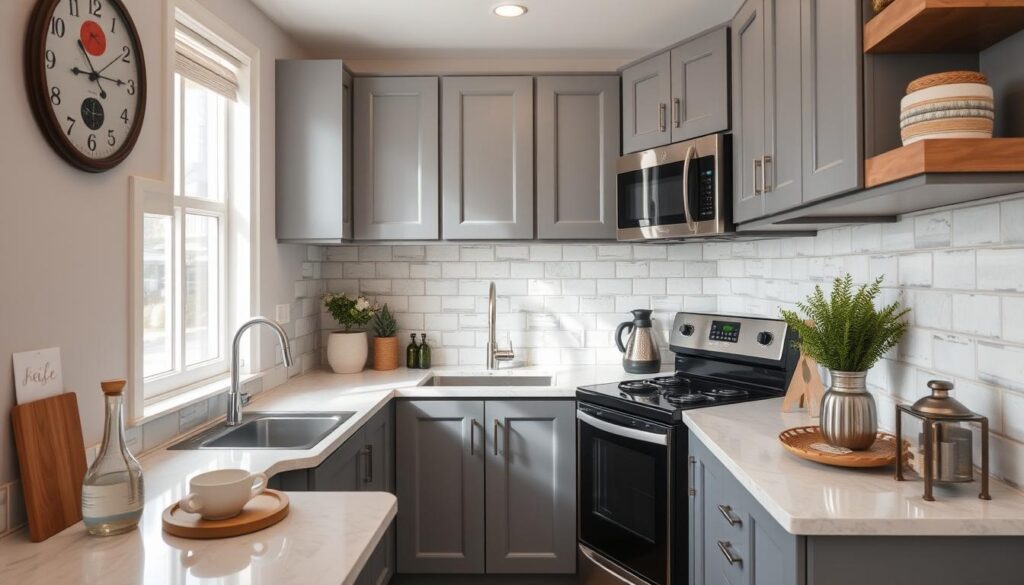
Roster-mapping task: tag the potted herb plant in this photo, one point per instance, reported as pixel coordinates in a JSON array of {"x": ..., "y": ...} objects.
[
  {"x": 347, "y": 349},
  {"x": 847, "y": 334},
  {"x": 385, "y": 344}
]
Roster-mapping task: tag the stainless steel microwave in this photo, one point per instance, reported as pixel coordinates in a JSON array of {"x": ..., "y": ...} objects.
[{"x": 679, "y": 191}]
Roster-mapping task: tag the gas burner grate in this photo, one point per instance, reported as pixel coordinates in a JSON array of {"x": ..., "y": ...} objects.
[{"x": 637, "y": 387}]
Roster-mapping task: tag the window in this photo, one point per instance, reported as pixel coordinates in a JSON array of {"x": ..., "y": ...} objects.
[{"x": 185, "y": 256}]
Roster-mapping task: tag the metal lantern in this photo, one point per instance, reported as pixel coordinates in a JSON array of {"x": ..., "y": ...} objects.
[{"x": 947, "y": 446}]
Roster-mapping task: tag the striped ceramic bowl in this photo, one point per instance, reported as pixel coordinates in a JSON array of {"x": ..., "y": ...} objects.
[{"x": 954, "y": 110}]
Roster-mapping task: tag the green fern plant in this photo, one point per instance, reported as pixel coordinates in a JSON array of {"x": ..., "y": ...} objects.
[
  {"x": 845, "y": 332},
  {"x": 385, "y": 324}
]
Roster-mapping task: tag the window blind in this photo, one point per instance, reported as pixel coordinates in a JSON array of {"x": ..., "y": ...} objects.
[{"x": 200, "y": 60}]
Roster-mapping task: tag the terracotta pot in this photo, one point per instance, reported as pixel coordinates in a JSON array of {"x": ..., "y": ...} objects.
[
  {"x": 385, "y": 353},
  {"x": 347, "y": 351}
]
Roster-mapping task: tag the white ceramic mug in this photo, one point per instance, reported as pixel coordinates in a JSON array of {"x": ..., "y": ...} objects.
[{"x": 221, "y": 494}]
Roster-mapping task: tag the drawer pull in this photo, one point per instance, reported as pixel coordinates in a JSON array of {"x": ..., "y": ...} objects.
[
  {"x": 692, "y": 481},
  {"x": 727, "y": 513},
  {"x": 726, "y": 548}
]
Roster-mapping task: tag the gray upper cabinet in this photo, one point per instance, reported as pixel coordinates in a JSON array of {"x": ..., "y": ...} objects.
[
  {"x": 313, "y": 119},
  {"x": 487, "y": 158},
  {"x": 749, "y": 109},
  {"x": 700, "y": 86},
  {"x": 833, "y": 140},
  {"x": 782, "y": 185},
  {"x": 531, "y": 486},
  {"x": 577, "y": 148},
  {"x": 646, "y": 92},
  {"x": 440, "y": 486},
  {"x": 395, "y": 193}
]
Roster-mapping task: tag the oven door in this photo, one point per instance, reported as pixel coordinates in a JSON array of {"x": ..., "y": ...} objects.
[{"x": 624, "y": 499}]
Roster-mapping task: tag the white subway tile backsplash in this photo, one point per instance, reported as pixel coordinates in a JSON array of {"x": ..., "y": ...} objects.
[
  {"x": 915, "y": 270},
  {"x": 632, "y": 269},
  {"x": 650, "y": 252},
  {"x": 1011, "y": 216},
  {"x": 973, "y": 226},
  {"x": 933, "y": 230},
  {"x": 1001, "y": 270},
  {"x": 977, "y": 314},
  {"x": 954, "y": 269}
]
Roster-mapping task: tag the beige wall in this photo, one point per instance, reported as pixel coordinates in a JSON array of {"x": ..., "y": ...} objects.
[{"x": 64, "y": 233}]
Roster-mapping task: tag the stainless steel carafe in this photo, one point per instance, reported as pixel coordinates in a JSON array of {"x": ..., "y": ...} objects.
[{"x": 640, "y": 353}]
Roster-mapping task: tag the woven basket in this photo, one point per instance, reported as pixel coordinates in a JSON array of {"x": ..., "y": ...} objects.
[
  {"x": 946, "y": 78},
  {"x": 808, "y": 443},
  {"x": 961, "y": 109},
  {"x": 385, "y": 353}
]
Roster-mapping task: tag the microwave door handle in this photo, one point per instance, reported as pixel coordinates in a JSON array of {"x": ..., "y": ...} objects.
[
  {"x": 686, "y": 190},
  {"x": 619, "y": 431}
]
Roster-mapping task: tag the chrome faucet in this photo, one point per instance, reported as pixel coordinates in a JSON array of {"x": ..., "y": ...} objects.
[
  {"x": 235, "y": 396},
  {"x": 495, "y": 355}
]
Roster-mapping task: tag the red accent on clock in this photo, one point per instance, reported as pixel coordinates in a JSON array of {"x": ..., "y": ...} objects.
[{"x": 93, "y": 38}]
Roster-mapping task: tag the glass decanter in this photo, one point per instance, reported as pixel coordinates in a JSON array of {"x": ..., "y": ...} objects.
[{"x": 112, "y": 492}]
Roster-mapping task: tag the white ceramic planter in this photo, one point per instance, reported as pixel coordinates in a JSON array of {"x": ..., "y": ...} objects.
[{"x": 347, "y": 351}]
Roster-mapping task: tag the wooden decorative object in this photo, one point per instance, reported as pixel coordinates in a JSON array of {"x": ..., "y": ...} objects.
[
  {"x": 942, "y": 26},
  {"x": 805, "y": 389},
  {"x": 385, "y": 353},
  {"x": 51, "y": 457},
  {"x": 955, "y": 155},
  {"x": 946, "y": 78},
  {"x": 263, "y": 511},
  {"x": 808, "y": 443}
]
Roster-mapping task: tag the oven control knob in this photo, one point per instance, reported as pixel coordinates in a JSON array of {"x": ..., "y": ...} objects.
[
  {"x": 765, "y": 338},
  {"x": 686, "y": 329}
]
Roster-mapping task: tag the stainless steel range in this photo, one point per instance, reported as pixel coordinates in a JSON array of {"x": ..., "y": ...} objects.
[{"x": 633, "y": 450}]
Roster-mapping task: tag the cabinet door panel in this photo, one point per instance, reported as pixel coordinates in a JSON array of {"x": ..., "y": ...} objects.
[
  {"x": 342, "y": 471},
  {"x": 531, "y": 486},
  {"x": 784, "y": 170},
  {"x": 577, "y": 147},
  {"x": 396, "y": 158},
  {"x": 378, "y": 436},
  {"x": 646, "y": 91},
  {"x": 440, "y": 487},
  {"x": 488, "y": 158},
  {"x": 700, "y": 86},
  {"x": 832, "y": 86},
  {"x": 748, "y": 46}
]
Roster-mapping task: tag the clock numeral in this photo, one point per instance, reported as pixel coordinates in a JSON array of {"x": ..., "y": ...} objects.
[
  {"x": 51, "y": 59},
  {"x": 113, "y": 24},
  {"x": 125, "y": 54},
  {"x": 71, "y": 124},
  {"x": 57, "y": 27},
  {"x": 73, "y": 7},
  {"x": 124, "y": 115},
  {"x": 131, "y": 87},
  {"x": 110, "y": 138},
  {"x": 96, "y": 8},
  {"x": 55, "y": 95},
  {"x": 92, "y": 142}
]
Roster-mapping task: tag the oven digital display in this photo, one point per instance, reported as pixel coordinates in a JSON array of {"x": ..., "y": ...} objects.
[{"x": 725, "y": 331}]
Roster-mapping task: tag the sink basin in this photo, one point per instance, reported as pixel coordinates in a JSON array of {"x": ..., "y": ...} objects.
[
  {"x": 269, "y": 430},
  {"x": 484, "y": 380}
]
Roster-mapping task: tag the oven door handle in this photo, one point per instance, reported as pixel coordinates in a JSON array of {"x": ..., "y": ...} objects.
[
  {"x": 686, "y": 189},
  {"x": 621, "y": 431}
]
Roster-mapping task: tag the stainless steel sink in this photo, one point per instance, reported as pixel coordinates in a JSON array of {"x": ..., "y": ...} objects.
[
  {"x": 269, "y": 430},
  {"x": 485, "y": 380}
]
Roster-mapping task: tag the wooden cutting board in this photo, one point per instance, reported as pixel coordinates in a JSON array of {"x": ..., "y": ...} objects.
[{"x": 51, "y": 456}]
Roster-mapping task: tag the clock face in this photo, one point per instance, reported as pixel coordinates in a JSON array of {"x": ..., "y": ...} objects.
[{"x": 89, "y": 79}]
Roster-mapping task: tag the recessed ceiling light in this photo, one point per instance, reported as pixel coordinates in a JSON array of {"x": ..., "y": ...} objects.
[{"x": 510, "y": 10}]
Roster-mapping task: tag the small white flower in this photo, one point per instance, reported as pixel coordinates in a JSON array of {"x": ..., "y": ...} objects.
[{"x": 362, "y": 304}]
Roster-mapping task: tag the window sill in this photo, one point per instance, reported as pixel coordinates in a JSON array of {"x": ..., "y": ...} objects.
[{"x": 205, "y": 391}]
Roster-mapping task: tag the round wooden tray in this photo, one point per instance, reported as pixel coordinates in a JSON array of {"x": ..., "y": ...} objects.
[
  {"x": 808, "y": 443},
  {"x": 264, "y": 510}
]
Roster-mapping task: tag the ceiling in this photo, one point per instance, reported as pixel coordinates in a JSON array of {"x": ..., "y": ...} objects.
[{"x": 611, "y": 30}]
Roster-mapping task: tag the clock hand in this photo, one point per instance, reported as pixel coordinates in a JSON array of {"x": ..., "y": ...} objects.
[
  {"x": 107, "y": 66},
  {"x": 94, "y": 76}
]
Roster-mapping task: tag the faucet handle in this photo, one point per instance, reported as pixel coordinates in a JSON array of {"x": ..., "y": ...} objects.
[{"x": 505, "y": 355}]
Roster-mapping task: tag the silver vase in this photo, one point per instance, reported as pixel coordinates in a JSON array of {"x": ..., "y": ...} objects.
[{"x": 848, "y": 412}]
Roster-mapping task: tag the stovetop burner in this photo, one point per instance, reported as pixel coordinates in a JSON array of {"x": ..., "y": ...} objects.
[
  {"x": 687, "y": 398},
  {"x": 637, "y": 387},
  {"x": 671, "y": 383},
  {"x": 728, "y": 392}
]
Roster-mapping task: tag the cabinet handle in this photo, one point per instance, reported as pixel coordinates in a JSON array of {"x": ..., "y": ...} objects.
[
  {"x": 765, "y": 186},
  {"x": 661, "y": 117},
  {"x": 727, "y": 512},
  {"x": 726, "y": 548},
  {"x": 368, "y": 473},
  {"x": 677, "y": 111},
  {"x": 753, "y": 177},
  {"x": 472, "y": 437},
  {"x": 691, "y": 489},
  {"x": 496, "y": 423}
]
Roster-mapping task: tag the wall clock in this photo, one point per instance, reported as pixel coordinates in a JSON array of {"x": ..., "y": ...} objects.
[{"x": 86, "y": 80}]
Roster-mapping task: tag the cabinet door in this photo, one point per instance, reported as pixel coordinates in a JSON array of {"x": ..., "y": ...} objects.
[
  {"x": 783, "y": 171},
  {"x": 748, "y": 112},
  {"x": 396, "y": 158},
  {"x": 646, "y": 91},
  {"x": 440, "y": 486},
  {"x": 312, "y": 146},
  {"x": 342, "y": 471},
  {"x": 379, "y": 568},
  {"x": 832, "y": 87},
  {"x": 379, "y": 475},
  {"x": 577, "y": 148},
  {"x": 531, "y": 486},
  {"x": 487, "y": 162},
  {"x": 700, "y": 86}
]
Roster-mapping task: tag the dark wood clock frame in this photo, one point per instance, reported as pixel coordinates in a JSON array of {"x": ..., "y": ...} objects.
[{"x": 35, "y": 83}]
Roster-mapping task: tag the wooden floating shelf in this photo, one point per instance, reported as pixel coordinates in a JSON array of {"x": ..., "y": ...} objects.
[
  {"x": 942, "y": 26},
  {"x": 946, "y": 155}
]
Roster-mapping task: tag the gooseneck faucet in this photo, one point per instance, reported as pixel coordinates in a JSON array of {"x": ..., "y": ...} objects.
[
  {"x": 495, "y": 355},
  {"x": 235, "y": 396}
]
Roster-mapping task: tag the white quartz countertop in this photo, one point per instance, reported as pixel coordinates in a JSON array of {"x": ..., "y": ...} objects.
[
  {"x": 326, "y": 537},
  {"x": 812, "y": 499}
]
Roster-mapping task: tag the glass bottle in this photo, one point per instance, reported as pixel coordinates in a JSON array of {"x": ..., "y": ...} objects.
[
  {"x": 412, "y": 353},
  {"x": 112, "y": 492},
  {"x": 424, "y": 353}
]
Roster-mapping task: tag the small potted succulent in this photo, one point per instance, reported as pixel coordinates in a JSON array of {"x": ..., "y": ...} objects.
[
  {"x": 847, "y": 334},
  {"x": 385, "y": 344},
  {"x": 347, "y": 349}
]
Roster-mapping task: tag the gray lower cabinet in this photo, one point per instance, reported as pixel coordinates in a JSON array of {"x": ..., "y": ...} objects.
[
  {"x": 486, "y": 486},
  {"x": 487, "y": 158},
  {"x": 313, "y": 146},
  {"x": 700, "y": 86},
  {"x": 395, "y": 135},
  {"x": 577, "y": 148},
  {"x": 646, "y": 92}
]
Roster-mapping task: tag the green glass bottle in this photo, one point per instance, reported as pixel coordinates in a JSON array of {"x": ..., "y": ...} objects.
[
  {"x": 412, "y": 353},
  {"x": 424, "y": 353}
]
